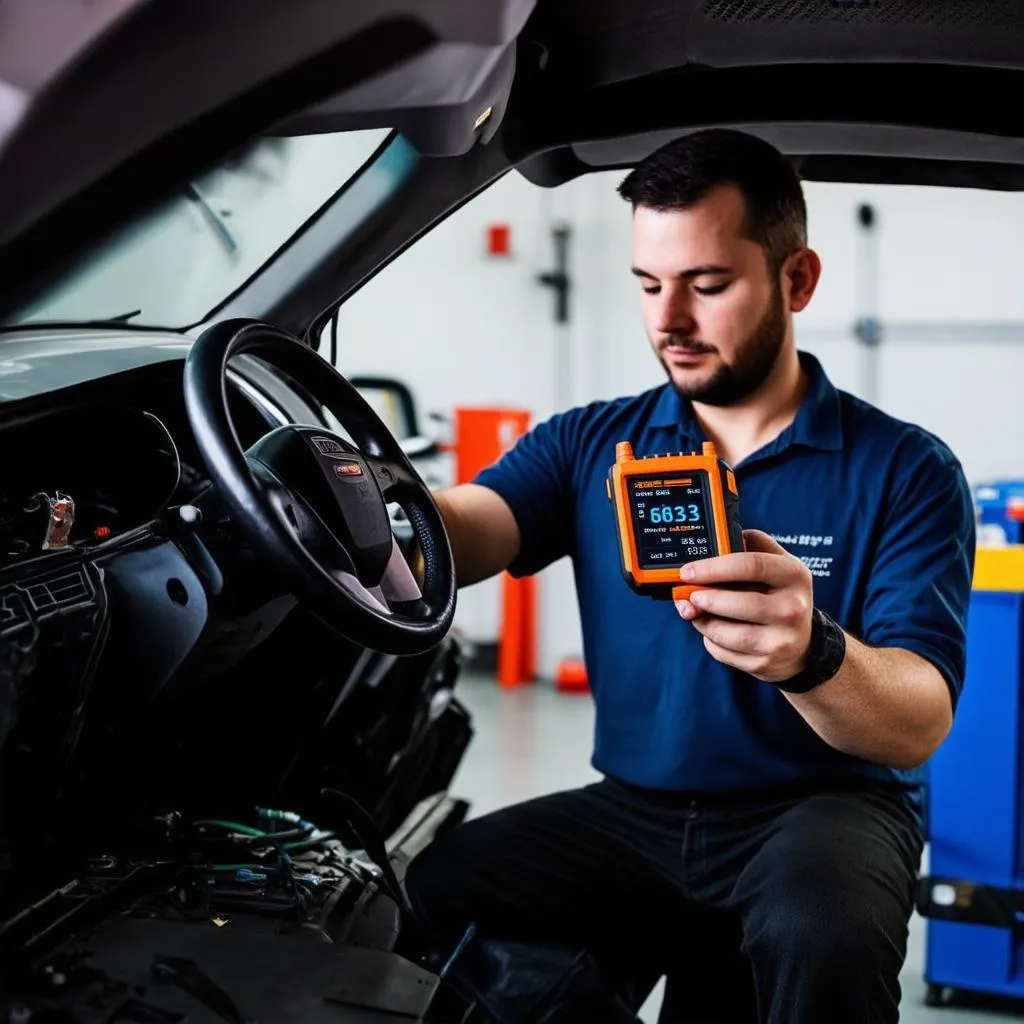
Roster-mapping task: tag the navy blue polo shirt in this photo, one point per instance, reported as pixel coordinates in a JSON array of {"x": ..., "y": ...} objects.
[{"x": 878, "y": 509}]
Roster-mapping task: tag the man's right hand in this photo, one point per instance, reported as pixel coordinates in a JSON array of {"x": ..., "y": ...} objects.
[{"x": 482, "y": 531}]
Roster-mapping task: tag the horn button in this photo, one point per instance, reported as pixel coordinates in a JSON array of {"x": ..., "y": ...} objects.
[{"x": 335, "y": 481}]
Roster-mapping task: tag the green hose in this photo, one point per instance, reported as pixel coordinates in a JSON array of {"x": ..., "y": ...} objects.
[{"x": 303, "y": 844}]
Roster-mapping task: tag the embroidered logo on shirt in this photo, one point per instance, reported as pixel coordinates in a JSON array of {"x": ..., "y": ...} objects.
[{"x": 820, "y": 565}]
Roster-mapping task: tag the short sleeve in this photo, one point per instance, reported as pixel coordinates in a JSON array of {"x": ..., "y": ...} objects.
[
  {"x": 535, "y": 478},
  {"x": 920, "y": 581}
]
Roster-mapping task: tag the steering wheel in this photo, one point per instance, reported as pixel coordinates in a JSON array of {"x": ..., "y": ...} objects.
[{"x": 313, "y": 506}]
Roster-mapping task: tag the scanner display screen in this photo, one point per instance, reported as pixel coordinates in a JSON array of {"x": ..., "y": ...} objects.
[{"x": 671, "y": 520}]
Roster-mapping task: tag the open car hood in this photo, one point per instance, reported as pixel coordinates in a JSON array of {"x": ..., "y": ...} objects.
[
  {"x": 106, "y": 106},
  {"x": 905, "y": 91}
]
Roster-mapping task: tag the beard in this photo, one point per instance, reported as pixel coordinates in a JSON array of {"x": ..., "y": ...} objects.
[{"x": 754, "y": 362}]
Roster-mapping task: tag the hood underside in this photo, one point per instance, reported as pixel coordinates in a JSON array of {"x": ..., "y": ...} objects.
[{"x": 107, "y": 106}]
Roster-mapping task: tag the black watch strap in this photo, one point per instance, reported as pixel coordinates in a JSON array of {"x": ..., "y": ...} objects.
[{"x": 825, "y": 655}]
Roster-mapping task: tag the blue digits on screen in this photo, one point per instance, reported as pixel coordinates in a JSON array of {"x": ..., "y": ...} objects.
[{"x": 675, "y": 514}]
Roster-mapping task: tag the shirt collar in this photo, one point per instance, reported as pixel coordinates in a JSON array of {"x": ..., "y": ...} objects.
[{"x": 818, "y": 422}]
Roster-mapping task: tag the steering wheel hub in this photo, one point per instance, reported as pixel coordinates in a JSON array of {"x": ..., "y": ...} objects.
[{"x": 341, "y": 491}]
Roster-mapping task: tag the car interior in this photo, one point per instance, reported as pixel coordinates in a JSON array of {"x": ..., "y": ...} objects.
[{"x": 229, "y": 708}]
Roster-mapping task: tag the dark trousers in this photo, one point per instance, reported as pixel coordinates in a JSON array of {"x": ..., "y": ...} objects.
[{"x": 791, "y": 909}]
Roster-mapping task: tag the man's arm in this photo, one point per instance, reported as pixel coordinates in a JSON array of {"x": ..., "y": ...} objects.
[
  {"x": 893, "y": 698},
  {"x": 886, "y": 705},
  {"x": 482, "y": 531},
  {"x": 517, "y": 514}
]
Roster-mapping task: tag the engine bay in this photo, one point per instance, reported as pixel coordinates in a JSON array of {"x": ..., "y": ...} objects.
[{"x": 274, "y": 920}]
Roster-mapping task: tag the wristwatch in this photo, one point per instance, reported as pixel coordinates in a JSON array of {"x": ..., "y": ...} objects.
[{"x": 825, "y": 655}]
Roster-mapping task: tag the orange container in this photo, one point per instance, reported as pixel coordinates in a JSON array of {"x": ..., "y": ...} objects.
[
  {"x": 482, "y": 436},
  {"x": 571, "y": 676}
]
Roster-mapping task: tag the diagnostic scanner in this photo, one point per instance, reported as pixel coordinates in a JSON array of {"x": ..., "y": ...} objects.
[{"x": 671, "y": 509}]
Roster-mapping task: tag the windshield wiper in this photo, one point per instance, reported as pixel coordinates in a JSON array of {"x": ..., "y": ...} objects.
[
  {"x": 120, "y": 320},
  {"x": 213, "y": 218}
]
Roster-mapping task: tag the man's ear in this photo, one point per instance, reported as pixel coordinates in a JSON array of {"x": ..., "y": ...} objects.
[{"x": 801, "y": 273}]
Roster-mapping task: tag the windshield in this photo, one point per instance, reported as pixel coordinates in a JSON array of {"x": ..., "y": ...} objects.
[{"x": 171, "y": 268}]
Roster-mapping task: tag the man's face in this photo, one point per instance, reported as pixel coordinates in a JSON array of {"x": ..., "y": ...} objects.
[{"x": 714, "y": 314}]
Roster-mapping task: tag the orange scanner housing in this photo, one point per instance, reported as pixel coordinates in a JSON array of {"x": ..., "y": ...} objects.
[{"x": 670, "y": 509}]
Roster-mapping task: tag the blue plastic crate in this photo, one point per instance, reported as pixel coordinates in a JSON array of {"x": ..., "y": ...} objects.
[{"x": 1001, "y": 503}]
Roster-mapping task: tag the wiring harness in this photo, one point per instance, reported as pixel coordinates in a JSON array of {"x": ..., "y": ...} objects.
[{"x": 287, "y": 866}]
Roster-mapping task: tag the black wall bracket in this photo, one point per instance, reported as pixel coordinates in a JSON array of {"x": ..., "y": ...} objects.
[{"x": 558, "y": 278}]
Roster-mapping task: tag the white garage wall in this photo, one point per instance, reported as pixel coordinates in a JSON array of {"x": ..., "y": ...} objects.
[{"x": 462, "y": 328}]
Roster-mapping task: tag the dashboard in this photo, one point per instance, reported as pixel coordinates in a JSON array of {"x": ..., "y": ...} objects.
[
  {"x": 82, "y": 475},
  {"x": 95, "y": 439},
  {"x": 89, "y": 463}
]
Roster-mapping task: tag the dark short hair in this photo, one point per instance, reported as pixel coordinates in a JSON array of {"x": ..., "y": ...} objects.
[{"x": 681, "y": 173}]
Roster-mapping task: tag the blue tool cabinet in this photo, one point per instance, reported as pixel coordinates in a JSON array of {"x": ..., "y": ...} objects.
[{"x": 973, "y": 893}]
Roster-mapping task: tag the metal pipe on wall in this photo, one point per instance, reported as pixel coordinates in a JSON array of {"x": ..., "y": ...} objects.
[
  {"x": 926, "y": 332},
  {"x": 867, "y": 328}
]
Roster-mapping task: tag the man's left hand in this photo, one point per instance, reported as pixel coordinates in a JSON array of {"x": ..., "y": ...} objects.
[{"x": 756, "y": 613}]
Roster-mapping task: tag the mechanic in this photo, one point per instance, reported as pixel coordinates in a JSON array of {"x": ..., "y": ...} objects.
[{"x": 759, "y": 747}]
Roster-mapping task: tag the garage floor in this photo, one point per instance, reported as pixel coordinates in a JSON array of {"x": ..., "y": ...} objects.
[{"x": 532, "y": 740}]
